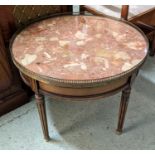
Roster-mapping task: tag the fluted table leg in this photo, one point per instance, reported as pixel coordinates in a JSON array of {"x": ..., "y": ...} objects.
[
  {"x": 123, "y": 108},
  {"x": 42, "y": 113}
]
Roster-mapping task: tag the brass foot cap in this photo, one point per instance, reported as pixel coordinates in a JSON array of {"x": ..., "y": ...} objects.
[
  {"x": 47, "y": 139},
  {"x": 118, "y": 132}
]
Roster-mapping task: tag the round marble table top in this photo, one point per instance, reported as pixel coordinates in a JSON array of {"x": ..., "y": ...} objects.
[{"x": 79, "y": 47}]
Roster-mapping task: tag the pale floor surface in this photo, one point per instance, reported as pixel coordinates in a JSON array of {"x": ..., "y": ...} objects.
[{"x": 87, "y": 124}]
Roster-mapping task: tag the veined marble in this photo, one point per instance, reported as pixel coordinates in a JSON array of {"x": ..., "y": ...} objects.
[{"x": 79, "y": 47}]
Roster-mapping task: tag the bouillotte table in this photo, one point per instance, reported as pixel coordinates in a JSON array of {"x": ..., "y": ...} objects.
[{"x": 79, "y": 56}]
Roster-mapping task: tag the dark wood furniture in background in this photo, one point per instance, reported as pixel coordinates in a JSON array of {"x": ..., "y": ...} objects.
[
  {"x": 144, "y": 20},
  {"x": 13, "y": 92}
]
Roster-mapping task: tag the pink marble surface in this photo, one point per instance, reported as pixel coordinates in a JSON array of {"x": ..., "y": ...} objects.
[{"x": 79, "y": 47}]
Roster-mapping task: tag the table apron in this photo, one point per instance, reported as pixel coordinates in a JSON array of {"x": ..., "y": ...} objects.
[{"x": 105, "y": 90}]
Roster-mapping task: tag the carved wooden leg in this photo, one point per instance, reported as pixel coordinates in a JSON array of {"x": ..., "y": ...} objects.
[
  {"x": 153, "y": 45},
  {"x": 123, "y": 108},
  {"x": 42, "y": 113},
  {"x": 152, "y": 50},
  {"x": 82, "y": 10}
]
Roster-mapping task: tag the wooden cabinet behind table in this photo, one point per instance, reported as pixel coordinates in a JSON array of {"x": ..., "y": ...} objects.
[{"x": 13, "y": 92}]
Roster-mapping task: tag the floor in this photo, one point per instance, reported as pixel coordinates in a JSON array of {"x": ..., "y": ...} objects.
[{"x": 87, "y": 124}]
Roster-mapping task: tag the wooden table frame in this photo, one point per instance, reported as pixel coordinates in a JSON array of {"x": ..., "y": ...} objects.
[
  {"x": 42, "y": 85},
  {"x": 39, "y": 96}
]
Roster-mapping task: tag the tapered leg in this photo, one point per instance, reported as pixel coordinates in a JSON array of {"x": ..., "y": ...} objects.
[
  {"x": 153, "y": 46},
  {"x": 152, "y": 50},
  {"x": 123, "y": 109},
  {"x": 42, "y": 113}
]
